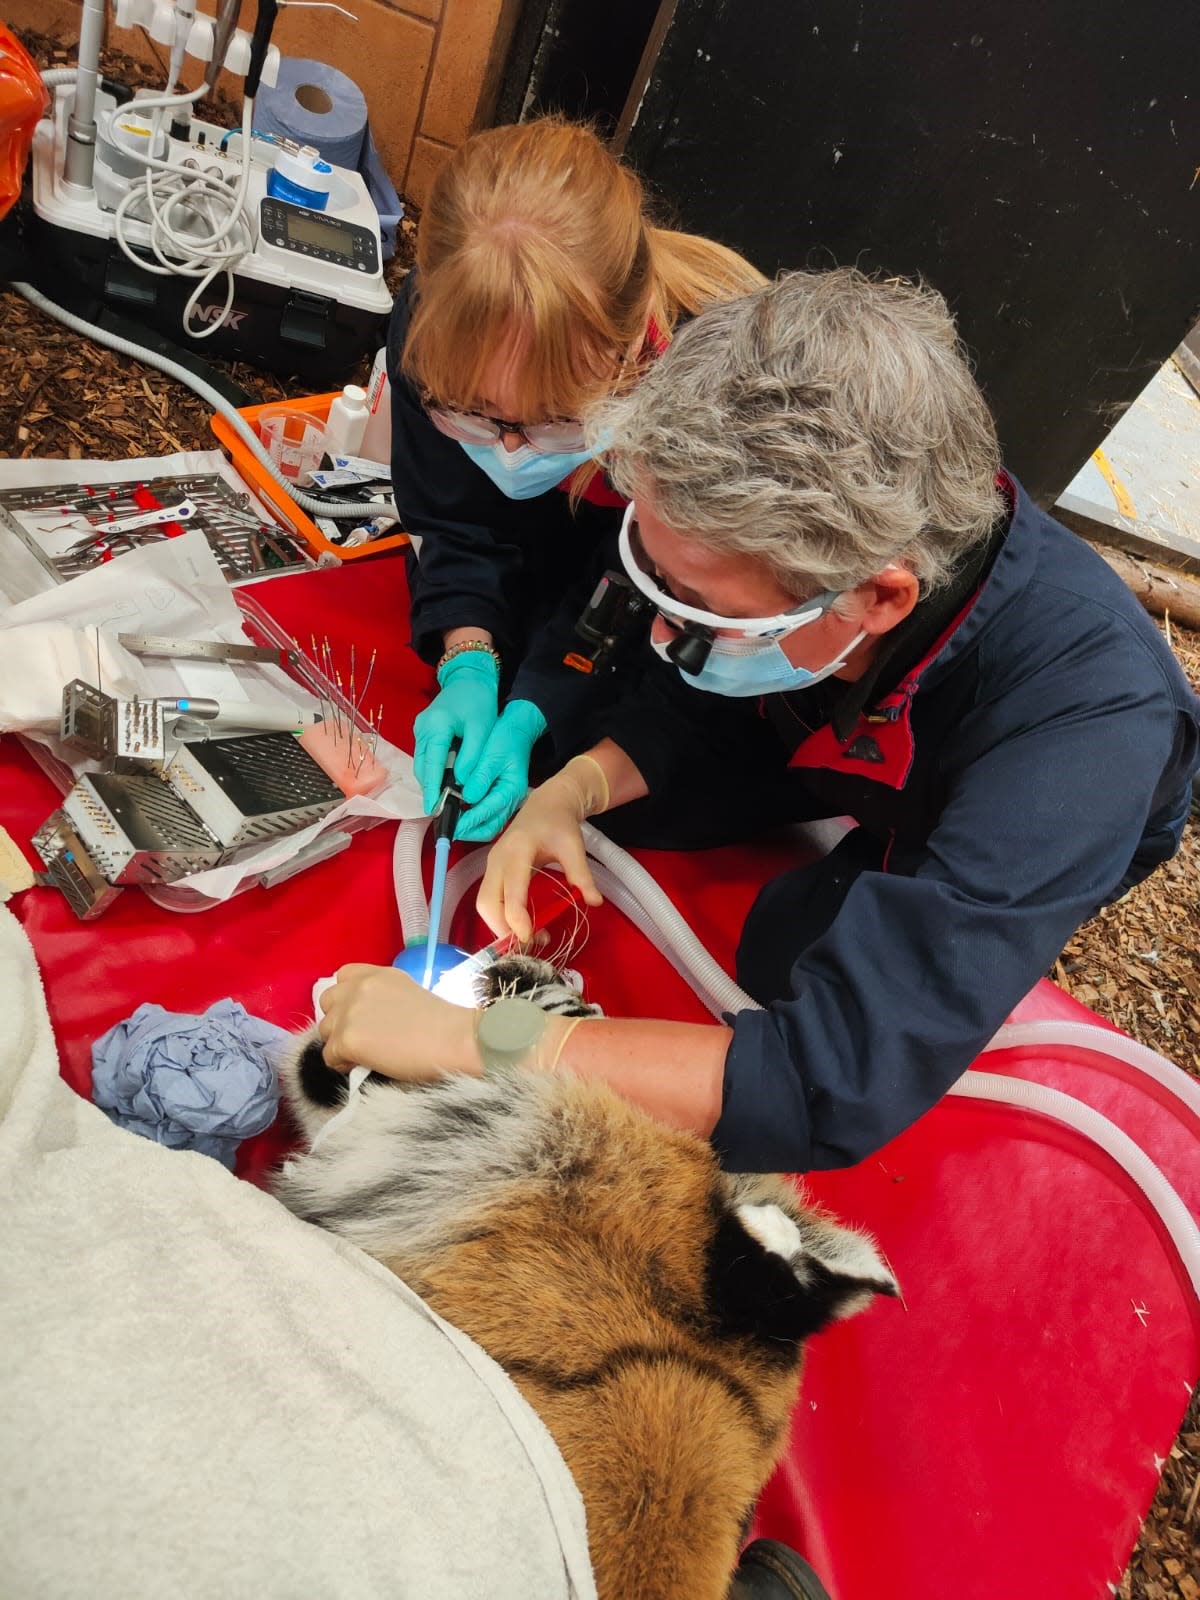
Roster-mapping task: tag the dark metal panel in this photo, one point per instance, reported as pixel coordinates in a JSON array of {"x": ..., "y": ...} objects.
[
  {"x": 1039, "y": 164},
  {"x": 576, "y": 57}
]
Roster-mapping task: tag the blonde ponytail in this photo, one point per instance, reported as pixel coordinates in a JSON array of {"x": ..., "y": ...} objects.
[{"x": 691, "y": 272}]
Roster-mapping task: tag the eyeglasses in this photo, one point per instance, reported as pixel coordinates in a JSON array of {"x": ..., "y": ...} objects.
[
  {"x": 558, "y": 438},
  {"x": 684, "y": 617}
]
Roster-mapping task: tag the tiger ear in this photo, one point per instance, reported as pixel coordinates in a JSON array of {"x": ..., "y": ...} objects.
[{"x": 782, "y": 1278}]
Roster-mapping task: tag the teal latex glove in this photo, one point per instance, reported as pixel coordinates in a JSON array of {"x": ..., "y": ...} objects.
[
  {"x": 465, "y": 709},
  {"x": 500, "y": 780}
]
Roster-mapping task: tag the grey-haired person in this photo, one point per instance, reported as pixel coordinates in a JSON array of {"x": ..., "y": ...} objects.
[{"x": 860, "y": 614}]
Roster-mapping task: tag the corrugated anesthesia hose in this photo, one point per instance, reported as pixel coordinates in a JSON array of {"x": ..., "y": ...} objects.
[
  {"x": 410, "y": 882},
  {"x": 706, "y": 975},
  {"x": 657, "y": 915},
  {"x": 1104, "y": 1043},
  {"x": 1130, "y": 1157},
  {"x": 638, "y": 896},
  {"x": 691, "y": 959}
]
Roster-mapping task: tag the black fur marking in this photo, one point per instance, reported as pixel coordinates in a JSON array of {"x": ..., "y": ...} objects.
[
  {"x": 752, "y": 1292},
  {"x": 318, "y": 1083},
  {"x": 623, "y": 1358},
  {"x": 532, "y": 979},
  {"x": 669, "y": 1300},
  {"x": 365, "y": 1205},
  {"x": 321, "y": 1085},
  {"x": 464, "y": 1119}
]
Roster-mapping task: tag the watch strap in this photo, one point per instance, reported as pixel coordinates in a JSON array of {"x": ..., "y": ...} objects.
[{"x": 508, "y": 1032}]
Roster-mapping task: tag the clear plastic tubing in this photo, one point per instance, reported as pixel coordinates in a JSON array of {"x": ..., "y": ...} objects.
[
  {"x": 1051, "y": 1031},
  {"x": 718, "y": 991},
  {"x": 1037, "y": 1097},
  {"x": 708, "y": 978},
  {"x": 463, "y": 875},
  {"x": 635, "y": 893}
]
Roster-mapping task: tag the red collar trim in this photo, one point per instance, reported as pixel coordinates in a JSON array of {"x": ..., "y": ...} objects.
[
  {"x": 656, "y": 338},
  {"x": 881, "y": 744}
]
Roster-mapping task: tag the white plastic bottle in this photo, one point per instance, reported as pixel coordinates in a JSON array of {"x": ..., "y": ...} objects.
[
  {"x": 377, "y": 440},
  {"x": 347, "y": 422}
]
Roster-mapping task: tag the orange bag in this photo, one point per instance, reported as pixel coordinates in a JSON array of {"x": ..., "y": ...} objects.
[{"x": 23, "y": 99}]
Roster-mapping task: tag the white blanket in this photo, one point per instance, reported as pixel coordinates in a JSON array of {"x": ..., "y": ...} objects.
[{"x": 201, "y": 1395}]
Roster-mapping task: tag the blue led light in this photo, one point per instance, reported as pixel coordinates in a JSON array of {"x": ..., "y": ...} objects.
[{"x": 412, "y": 960}]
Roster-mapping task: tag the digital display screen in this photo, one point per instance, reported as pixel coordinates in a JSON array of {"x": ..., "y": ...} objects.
[{"x": 316, "y": 231}]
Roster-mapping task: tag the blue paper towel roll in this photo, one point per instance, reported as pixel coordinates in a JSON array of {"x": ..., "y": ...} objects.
[{"x": 316, "y": 104}]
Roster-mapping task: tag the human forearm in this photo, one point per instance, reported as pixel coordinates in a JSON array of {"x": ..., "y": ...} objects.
[
  {"x": 379, "y": 1018},
  {"x": 674, "y": 1071}
]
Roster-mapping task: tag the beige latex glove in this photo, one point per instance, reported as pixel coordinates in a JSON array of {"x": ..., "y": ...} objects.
[
  {"x": 379, "y": 1018},
  {"x": 547, "y": 828}
]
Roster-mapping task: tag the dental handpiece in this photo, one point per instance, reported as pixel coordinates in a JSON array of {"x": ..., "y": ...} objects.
[
  {"x": 227, "y": 16},
  {"x": 185, "y": 16},
  {"x": 240, "y": 714},
  {"x": 260, "y": 39}
]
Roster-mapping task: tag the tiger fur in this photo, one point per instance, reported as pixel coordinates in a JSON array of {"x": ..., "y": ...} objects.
[{"x": 650, "y": 1307}]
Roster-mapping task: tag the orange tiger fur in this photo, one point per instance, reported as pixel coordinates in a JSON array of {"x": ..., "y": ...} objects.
[{"x": 617, "y": 1275}]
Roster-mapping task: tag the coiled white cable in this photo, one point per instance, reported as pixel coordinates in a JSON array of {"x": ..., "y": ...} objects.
[{"x": 198, "y": 225}]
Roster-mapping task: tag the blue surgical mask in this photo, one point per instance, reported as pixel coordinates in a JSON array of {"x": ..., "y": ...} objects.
[
  {"x": 522, "y": 474},
  {"x": 741, "y": 668}
]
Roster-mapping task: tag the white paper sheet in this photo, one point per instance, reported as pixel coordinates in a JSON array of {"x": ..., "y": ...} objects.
[{"x": 175, "y": 588}]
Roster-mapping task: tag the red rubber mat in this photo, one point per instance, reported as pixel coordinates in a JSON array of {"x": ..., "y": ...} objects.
[{"x": 998, "y": 1433}]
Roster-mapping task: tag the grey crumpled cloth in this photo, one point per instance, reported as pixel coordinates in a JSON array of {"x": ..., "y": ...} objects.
[{"x": 192, "y": 1083}]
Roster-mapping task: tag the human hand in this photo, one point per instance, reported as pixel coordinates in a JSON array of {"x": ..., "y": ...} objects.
[
  {"x": 547, "y": 828},
  {"x": 380, "y": 1018},
  {"x": 465, "y": 709},
  {"x": 500, "y": 780}
]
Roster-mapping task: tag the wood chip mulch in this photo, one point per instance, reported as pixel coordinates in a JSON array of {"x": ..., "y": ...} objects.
[
  {"x": 68, "y": 397},
  {"x": 1137, "y": 963}
]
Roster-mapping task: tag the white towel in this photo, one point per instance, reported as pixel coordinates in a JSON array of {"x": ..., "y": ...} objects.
[{"x": 201, "y": 1395}]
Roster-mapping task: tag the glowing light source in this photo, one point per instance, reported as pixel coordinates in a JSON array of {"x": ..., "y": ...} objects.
[{"x": 454, "y": 971}]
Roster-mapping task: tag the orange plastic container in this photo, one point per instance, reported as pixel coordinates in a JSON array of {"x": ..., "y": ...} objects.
[{"x": 260, "y": 481}]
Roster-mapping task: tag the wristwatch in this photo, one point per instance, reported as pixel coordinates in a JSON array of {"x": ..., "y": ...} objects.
[{"x": 508, "y": 1031}]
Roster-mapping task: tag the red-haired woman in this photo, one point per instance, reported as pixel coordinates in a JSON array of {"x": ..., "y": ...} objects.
[{"x": 541, "y": 287}]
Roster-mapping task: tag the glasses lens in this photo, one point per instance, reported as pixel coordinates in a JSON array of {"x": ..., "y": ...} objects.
[
  {"x": 463, "y": 427},
  {"x": 555, "y": 438}
]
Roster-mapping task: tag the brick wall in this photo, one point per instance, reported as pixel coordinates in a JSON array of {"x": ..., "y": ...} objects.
[{"x": 429, "y": 68}]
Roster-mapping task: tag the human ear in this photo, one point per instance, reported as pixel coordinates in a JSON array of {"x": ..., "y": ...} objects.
[{"x": 886, "y": 599}]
